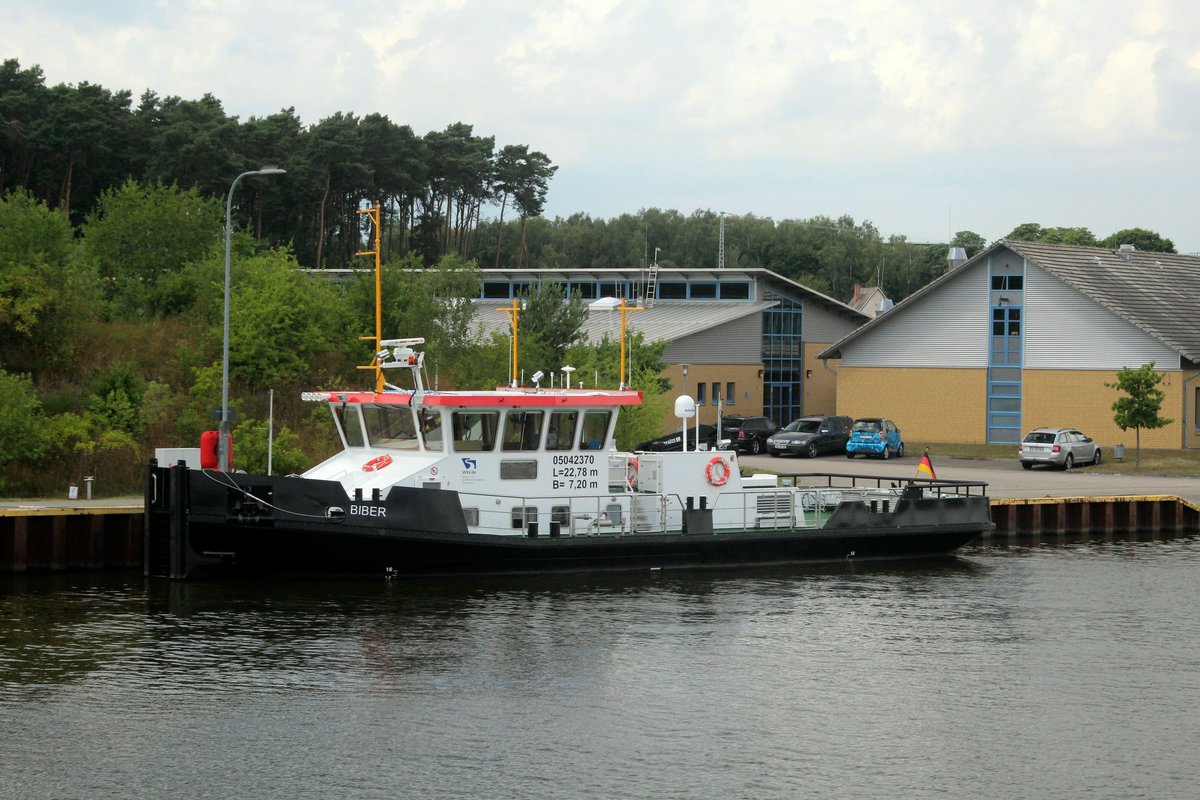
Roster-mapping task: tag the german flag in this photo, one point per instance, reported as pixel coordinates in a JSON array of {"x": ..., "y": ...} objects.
[{"x": 925, "y": 468}]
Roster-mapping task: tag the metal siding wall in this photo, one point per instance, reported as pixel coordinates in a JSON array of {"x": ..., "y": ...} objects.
[
  {"x": 1065, "y": 330},
  {"x": 820, "y": 325},
  {"x": 948, "y": 328},
  {"x": 736, "y": 342}
]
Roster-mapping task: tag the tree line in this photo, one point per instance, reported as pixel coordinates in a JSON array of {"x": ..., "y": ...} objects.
[{"x": 67, "y": 144}]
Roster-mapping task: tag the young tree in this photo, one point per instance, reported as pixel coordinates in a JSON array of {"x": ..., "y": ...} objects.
[
  {"x": 255, "y": 444},
  {"x": 21, "y": 437},
  {"x": 1139, "y": 409},
  {"x": 35, "y": 252},
  {"x": 45, "y": 295},
  {"x": 549, "y": 324},
  {"x": 281, "y": 321},
  {"x": 139, "y": 235}
]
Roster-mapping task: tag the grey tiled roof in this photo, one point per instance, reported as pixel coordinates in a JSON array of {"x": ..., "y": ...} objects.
[
  {"x": 668, "y": 320},
  {"x": 1156, "y": 292}
]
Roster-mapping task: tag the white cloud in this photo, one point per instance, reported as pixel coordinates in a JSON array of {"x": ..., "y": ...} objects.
[{"x": 892, "y": 112}]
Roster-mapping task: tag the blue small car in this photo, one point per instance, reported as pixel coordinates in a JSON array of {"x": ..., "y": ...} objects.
[{"x": 875, "y": 436}]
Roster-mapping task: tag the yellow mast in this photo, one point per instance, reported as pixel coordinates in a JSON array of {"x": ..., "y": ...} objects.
[
  {"x": 513, "y": 312},
  {"x": 625, "y": 310},
  {"x": 373, "y": 213}
]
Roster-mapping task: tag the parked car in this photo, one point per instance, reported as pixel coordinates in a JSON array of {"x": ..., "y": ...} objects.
[
  {"x": 810, "y": 436},
  {"x": 748, "y": 434},
  {"x": 875, "y": 436},
  {"x": 1059, "y": 447}
]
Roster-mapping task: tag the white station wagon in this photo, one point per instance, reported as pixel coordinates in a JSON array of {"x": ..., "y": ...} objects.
[{"x": 1059, "y": 447}]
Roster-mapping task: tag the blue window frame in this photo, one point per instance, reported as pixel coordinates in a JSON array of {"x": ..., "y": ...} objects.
[
  {"x": 783, "y": 361},
  {"x": 1005, "y": 343}
]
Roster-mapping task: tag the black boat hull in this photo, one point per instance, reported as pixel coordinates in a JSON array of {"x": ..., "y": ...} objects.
[{"x": 210, "y": 523}]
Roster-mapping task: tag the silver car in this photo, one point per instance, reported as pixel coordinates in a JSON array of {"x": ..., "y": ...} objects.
[{"x": 1059, "y": 447}]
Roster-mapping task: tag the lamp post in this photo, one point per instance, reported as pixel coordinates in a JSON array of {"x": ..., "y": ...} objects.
[{"x": 223, "y": 431}]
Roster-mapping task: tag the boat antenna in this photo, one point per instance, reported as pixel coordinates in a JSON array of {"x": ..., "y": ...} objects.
[{"x": 376, "y": 363}]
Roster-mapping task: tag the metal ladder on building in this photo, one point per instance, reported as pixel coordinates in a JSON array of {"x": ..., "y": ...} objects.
[{"x": 652, "y": 282}]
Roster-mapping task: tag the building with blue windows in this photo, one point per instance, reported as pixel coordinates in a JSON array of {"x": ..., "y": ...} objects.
[{"x": 1027, "y": 335}]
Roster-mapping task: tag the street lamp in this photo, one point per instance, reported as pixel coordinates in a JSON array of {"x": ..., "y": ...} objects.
[{"x": 223, "y": 432}]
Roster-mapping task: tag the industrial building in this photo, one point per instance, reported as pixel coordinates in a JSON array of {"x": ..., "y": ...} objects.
[{"x": 742, "y": 340}]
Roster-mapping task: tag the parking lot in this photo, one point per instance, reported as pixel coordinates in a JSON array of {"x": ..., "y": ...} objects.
[{"x": 1004, "y": 477}]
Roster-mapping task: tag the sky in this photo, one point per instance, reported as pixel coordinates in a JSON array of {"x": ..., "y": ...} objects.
[{"x": 923, "y": 118}]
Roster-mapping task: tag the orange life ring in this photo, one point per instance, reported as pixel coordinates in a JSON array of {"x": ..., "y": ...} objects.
[
  {"x": 721, "y": 476},
  {"x": 631, "y": 472},
  {"x": 379, "y": 462}
]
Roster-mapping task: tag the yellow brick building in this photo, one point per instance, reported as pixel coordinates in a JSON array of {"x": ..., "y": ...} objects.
[{"x": 1028, "y": 335}]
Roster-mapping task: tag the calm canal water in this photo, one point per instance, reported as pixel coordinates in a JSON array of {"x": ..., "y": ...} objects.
[{"x": 1043, "y": 671}]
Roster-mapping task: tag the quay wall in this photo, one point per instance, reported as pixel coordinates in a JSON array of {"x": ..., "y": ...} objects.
[
  {"x": 99, "y": 537},
  {"x": 59, "y": 539},
  {"x": 1069, "y": 516}
]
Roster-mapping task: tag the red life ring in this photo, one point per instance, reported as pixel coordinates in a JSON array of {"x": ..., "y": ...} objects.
[
  {"x": 721, "y": 476},
  {"x": 379, "y": 462},
  {"x": 631, "y": 472}
]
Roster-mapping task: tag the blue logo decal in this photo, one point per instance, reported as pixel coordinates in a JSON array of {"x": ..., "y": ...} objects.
[{"x": 469, "y": 463}]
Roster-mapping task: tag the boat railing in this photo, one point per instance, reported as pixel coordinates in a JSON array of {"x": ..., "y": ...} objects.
[
  {"x": 786, "y": 507},
  {"x": 928, "y": 487},
  {"x": 790, "y": 507}
]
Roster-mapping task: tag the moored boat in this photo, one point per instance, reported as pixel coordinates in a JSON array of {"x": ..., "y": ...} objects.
[{"x": 518, "y": 480}]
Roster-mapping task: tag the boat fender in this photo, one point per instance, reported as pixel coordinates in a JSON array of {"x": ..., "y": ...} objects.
[
  {"x": 379, "y": 462},
  {"x": 631, "y": 472},
  {"x": 717, "y": 471}
]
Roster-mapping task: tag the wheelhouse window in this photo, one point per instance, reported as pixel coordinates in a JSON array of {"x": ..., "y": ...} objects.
[
  {"x": 475, "y": 430},
  {"x": 560, "y": 434},
  {"x": 431, "y": 430},
  {"x": 522, "y": 430},
  {"x": 391, "y": 427},
  {"x": 595, "y": 430},
  {"x": 350, "y": 422}
]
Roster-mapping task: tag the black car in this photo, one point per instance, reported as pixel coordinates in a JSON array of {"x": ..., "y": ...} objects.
[
  {"x": 811, "y": 436},
  {"x": 748, "y": 434}
]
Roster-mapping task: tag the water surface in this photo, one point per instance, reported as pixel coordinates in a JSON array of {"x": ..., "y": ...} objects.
[{"x": 1049, "y": 671}]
